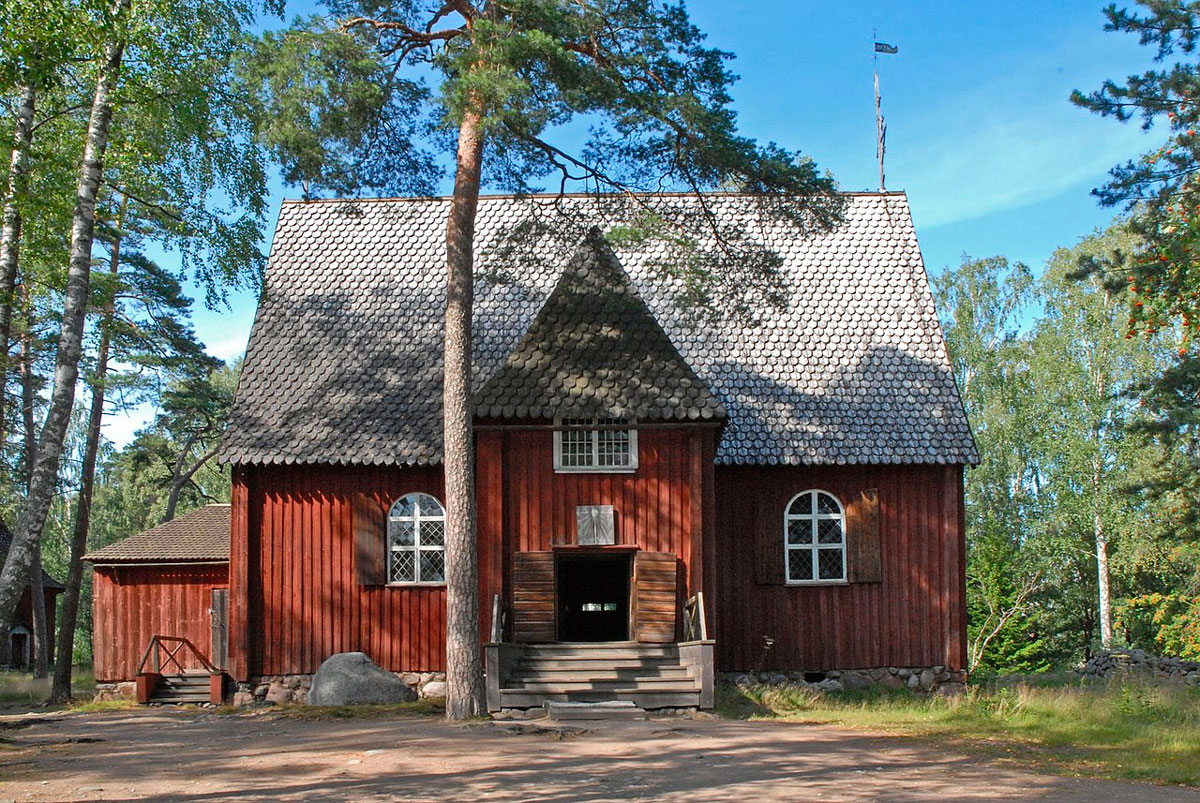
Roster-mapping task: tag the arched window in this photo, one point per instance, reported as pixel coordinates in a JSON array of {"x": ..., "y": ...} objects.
[
  {"x": 416, "y": 535},
  {"x": 814, "y": 537}
]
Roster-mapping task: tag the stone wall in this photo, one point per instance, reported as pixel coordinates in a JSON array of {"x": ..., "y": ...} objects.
[
  {"x": 922, "y": 678},
  {"x": 126, "y": 690},
  {"x": 1139, "y": 663},
  {"x": 283, "y": 689}
]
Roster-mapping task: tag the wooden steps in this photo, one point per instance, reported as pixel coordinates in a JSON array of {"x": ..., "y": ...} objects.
[
  {"x": 643, "y": 676},
  {"x": 186, "y": 689}
]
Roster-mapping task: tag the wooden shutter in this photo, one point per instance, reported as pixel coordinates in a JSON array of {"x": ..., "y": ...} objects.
[
  {"x": 370, "y": 533},
  {"x": 219, "y": 612},
  {"x": 863, "y": 551},
  {"x": 767, "y": 532},
  {"x": 655, "y": 594},
  {"x": 533, "y": 617}
]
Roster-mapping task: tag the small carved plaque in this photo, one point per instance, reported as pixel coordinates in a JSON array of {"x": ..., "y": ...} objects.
[{"x": 594, "y": 525}]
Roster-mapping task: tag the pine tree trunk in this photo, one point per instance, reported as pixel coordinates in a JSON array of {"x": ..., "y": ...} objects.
[
  {"x": 44, "y": 475},
  {"x": 10, "y": 233},
  {"x": 37, "y": 604},
  {"x": 1106, "y": 627},
  {"x": 182, "y": 476},
  {"x": 60, "y": 691},
  {"x": 464, "y": 666}
]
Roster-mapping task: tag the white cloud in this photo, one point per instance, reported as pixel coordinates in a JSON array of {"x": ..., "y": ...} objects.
[{"x": 228, "y": 348}]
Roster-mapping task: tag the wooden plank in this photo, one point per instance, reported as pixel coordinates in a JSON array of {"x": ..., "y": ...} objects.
[
  {"x": 655, "y": 597},
  {"x": 533, "y": 605}
]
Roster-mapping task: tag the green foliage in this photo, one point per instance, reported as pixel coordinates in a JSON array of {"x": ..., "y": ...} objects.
[
  {"x": 1053, "y": 387},
  {"x": 1160, "y": 187}
]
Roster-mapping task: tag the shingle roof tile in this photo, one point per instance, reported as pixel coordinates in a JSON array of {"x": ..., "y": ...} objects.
[
  {"x": 344, "y": 360},
  {"x": 199, "y": 536}
]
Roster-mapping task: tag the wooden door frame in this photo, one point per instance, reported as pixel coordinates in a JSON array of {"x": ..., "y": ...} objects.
[{"x": 559, "y": 550}]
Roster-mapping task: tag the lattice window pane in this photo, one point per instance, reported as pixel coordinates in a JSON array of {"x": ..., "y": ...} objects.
[
  {"x": 802, "y": 505},
  {"x": 827, "y": 504},
  {"x": 613, "y": 445},
  {"x": 577, "y": 448},
  {"x": 406, "y": 506},
  {"x": 402, "y": 532},
  {"x": 402, "y": 567},
  {"x": 433, "y": 566},
  {"x": 829, "y": 564},
  {"x": 799, "y": 531},
  {"x": 433, "y": 532},
  {"x": 799, "y": 564},
  {"x": 829, "y": 531}
]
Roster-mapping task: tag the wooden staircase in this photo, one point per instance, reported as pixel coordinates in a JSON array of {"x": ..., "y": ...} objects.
[
  {"x": 191, "y": 688},
  {"x": 648, "y": 675}
]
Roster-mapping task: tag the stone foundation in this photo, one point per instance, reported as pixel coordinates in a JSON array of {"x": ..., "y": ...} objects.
[
  {"x": 284, "y": 689},
  {"x": 125, "y": 690},
  {"x": 937, "y": 679}
]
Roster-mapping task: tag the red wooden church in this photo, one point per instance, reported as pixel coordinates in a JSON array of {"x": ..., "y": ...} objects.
[{"x": 659, "y": 494}]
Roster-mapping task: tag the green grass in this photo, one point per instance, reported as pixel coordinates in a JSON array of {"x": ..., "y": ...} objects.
[
  {"x": 1124, "y": 730},
  {"x": 19, "y": 688}
]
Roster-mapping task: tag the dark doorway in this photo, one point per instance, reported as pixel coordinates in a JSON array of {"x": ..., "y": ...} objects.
[{"x": 593, "y": 597}]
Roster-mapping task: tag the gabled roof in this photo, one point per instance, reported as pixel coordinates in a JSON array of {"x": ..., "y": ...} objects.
[
  {"x": 595, "y": 351},
  {"x": 6, "y": 539},
  {"x": 201, "y": 536},
  {"x": 344, "y": 360}
]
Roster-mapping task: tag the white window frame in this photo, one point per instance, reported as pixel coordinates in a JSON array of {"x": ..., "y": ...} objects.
[
  {"x": 814, "y": 547},
  {"x": 417, "y": 548},
  {"x": 594, "y": 442}
]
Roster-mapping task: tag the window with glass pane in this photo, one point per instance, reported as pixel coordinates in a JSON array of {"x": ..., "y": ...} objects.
[
  {"x": 578, "y": 447},
  {"x": 416, "y": 533},
  {"x": 814, "y": 528}
]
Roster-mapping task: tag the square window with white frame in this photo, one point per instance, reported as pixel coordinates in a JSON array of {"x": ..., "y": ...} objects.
[{"x": 595, "y": 445}]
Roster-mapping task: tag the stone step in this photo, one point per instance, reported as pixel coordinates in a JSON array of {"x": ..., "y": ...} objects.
[
  {"x": 677, "y": 673},
  {"x": 644, "y": 698},
  {"x": 179, "y": 698},
  {"x": 648, "y": 664},
  {"x": 611, "y": 709},
  {"x": 667, "y": 684}
]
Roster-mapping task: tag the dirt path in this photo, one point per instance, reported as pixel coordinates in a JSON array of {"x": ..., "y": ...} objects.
[{"x": 189, "y": 756}]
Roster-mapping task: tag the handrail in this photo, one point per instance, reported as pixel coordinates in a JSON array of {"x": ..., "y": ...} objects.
[
  {"x": 695, "y": 626},
  {"x": 497, "y": 620},
  {"x": 159, "y": 643}
]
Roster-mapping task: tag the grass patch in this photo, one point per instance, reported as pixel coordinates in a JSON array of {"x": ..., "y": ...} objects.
[
  {"x": 20, "y": 688},
  {"x": 1123, "y": 730}
]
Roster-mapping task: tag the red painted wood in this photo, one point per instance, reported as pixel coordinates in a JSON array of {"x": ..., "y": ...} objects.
[
  {"x": 133, "y": 603},
  {"x": 914, "y": 617}
]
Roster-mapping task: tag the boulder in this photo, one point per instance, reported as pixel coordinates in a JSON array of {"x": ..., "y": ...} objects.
[
  {"x": 278, "y": 694},
  {"x": 434, "y": 690},
  {"x": 351, "y": 678}
]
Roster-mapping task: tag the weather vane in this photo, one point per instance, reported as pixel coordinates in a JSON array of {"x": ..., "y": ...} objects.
[{"x": 880, "y": 125}]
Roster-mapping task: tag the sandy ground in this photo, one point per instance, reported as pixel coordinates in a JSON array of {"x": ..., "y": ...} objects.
[{"x": 193, "y": 756}]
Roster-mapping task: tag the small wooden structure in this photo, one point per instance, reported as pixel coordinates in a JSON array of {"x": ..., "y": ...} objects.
[
  {"x": 169, "y": 583},
  {"x": 20, "y": 632}
]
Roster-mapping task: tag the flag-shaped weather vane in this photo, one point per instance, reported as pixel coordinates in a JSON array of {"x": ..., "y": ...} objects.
[{"x": 880, "y": 125}]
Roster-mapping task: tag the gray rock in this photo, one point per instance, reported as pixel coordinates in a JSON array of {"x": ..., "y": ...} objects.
[
  {"x": 914, "y": 681},
  {"x": 927, "y": 677},
  {"x": 830, "y": 684},
  {"x": 434, "y": 689},
  {"x": 351, "y": 678},
  {"x": 856, "y": 681}
]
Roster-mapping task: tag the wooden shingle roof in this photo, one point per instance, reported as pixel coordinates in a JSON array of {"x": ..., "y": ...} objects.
[
  {"x": 201, "y": 536},
  {"x": 344, "y": 360},
  {"x": 595, "y": 351}
]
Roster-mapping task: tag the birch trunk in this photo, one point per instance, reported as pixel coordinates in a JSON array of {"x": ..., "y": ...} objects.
[
  {"x": 37, "y": 590},
  {"x": 60, "y": 690},
  {"x": 1101, "y": 536},
  {"x": 44, "y": 472},
  {"x": 10, "y": 232},
  {"x": 464, "y": 666}
]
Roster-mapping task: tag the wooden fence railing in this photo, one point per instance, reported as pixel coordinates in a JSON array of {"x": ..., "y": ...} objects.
[
  {"x": 165, "y": 650},
  {"x": 695, "y": 628}
]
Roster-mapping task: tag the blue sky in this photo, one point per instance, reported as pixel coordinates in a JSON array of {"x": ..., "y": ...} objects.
[{"x": 981, "y": 135}]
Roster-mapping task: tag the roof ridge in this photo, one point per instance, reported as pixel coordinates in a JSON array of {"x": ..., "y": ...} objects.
[{"x": 548, "y": 195}]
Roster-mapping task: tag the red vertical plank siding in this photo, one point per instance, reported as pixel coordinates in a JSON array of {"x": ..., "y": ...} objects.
[
  {"x": 914, "y": 617},
  {"x": 134, "y": 603}
]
